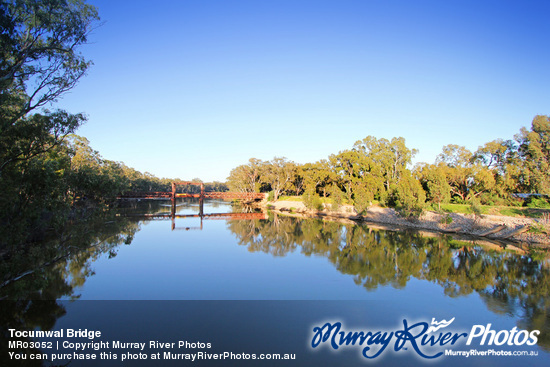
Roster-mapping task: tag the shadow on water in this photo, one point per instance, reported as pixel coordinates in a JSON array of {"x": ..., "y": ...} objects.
[
  {"x": 35, "y": 278},
  {"x": 508, "y": 283}
]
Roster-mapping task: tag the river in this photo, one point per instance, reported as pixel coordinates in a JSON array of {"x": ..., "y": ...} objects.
[{"x": 284, "y": 275}]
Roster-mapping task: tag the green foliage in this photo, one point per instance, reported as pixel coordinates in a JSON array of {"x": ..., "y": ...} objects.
[
  {"x": 39, "y": 63},
  {"x": 319, "y": 176},
  {"x": 246, "y": 178},
  {"x": 337, "y": 197},
  {"x": 362, "y": 199},
  {"x": 534, "y": 151},
  {"x": 409, "y": 197},
  {"x": 376, "y": 169},
  {"x": 311, "y": 200},
  {"x": 39, "y": 52},
  {"x": 270, "y": 196},
  {"x": 493, "y": 199},
  {"x": 434, "y": 180},
  {"x": 446, "y": 220},
  {"x": 539, "y": 228},
  {"x": 537, "y": 202},
  {"x": 476, "y": 209},
  {"x": 378, "y": 164},
  {"x": 278, "y": 174}
]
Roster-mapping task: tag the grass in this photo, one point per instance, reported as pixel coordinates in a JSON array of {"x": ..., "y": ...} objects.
[
  {"x": 539, "y": 228},
  {"x": 510, "y": 211},
  {"x": 299, "y": 198}
]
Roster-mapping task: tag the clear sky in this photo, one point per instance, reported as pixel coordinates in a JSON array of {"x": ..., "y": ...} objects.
[{"x": 195, "y": 88}]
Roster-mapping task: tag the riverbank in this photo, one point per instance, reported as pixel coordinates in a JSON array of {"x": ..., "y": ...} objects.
[{"x": 492, "y": 227}]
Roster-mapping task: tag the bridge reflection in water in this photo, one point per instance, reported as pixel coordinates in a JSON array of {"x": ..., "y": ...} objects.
[
  {"x": 212, "y": 216},
  {"x": 173, "y": 195}
]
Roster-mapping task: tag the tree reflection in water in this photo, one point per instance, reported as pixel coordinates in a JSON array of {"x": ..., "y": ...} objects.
[
  {"x": 54, "y": 270},
  {"x": 507, "y": 282}
]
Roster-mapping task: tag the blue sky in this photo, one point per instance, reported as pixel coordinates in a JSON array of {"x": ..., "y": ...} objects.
[{"x": 195, "y": 88}]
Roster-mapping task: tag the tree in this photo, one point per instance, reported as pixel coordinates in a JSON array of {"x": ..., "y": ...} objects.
[
  {"x": 408, "y": 195},
  {"x": 318, "y": 176},
  {"x": 466, "y": 177},
  {"x": 362, "y": 199},
  {"x": 349, "y": 168},
  {"x": 534, "y": 150},
  {"x": 390, "y": 157},
  {"x": 374, "y": 164},
  {"x": 454, "y": 156},
  {"x": 246, "y": 177},
  {"x": 39, "y": 63},
  {"x": 35, "y": 135},
  {"x": 39, "y": 46},
  {"x": 299, "y": 180},
  {"x": 501, "y": 158},
  {"x": 496, "y": 154},
  {"x": 434, "y": 179},
  {"x": 278, "y": 173}
]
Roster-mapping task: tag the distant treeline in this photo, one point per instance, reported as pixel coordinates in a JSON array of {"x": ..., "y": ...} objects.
[
  {"x": 380, "y": 169},
  {"x": 41, "y": 192}
]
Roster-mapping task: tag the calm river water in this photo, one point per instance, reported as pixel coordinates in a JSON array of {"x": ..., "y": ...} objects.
[{"x": 291, "y": 273}]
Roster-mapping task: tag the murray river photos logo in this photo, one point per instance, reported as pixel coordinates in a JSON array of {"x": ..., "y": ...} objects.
[{"x": 426, "y": 340}]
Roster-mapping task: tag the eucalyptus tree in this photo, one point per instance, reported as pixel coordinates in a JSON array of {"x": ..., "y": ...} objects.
[
  {"x": 246, "y": 177},
  {"x": 299, "y": 180},
  {"x": 39, "y": 63},
  {"x": 534, "y": 150},
  {"x": 466, "y": 177},
  {"x": 374, "y": 165},
  {"x": 278, "y": 173},
  {"x": 408, "y": 195},
  {"x": 389, "y": 158},
  {"x": 318, "y": 176},
  {"x": 434, "y": 179},
  {"x": 348, "y": 168},
  {"x": 496, "y": 154}
]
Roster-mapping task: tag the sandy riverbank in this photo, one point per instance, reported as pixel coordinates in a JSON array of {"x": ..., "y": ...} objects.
[{"x": 493, "y": 227}]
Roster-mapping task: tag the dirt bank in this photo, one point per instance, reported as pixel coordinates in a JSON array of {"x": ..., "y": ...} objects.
[{"x": 492, "y": 227}]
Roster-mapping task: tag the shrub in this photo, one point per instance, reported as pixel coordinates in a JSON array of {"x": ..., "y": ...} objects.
[
  {"x": 362, "y": 200},
  {"x": 337, "y": 197},
  {"x": 537, "y": 202},
  {"x": 543, "y": 225},
  {"x": 457, "y": 200},
  {"x": 475, "y": 208},
  {"x": 410, "y": 213},
  {"x": 539, "y": 228},
  {"x": 493, "y": 199},
  {"x": 312, "y": 201},
  {"x": 409, "y": 197},
  {"x": 446, "y": 220}
]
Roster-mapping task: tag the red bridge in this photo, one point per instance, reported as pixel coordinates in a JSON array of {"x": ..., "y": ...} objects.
[{"x": 203, "y": 195}]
